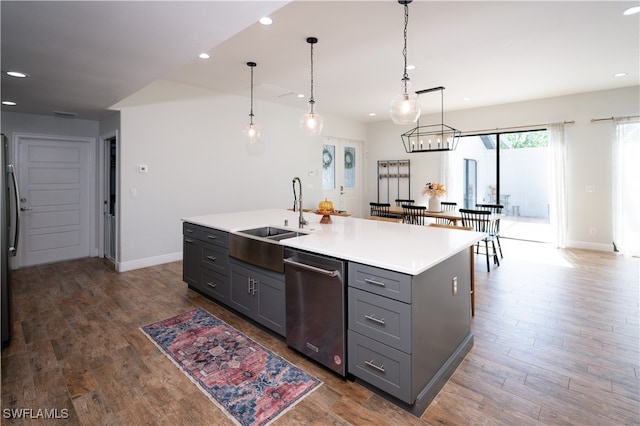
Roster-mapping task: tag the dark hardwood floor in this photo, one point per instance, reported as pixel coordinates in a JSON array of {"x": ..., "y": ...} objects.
[{"x": 556, "y": 342}]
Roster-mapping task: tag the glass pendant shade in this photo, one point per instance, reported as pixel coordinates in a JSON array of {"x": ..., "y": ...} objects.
[
  {"x": 405, "y": 108},
  {"x": 311, "y": 123},
  {"x": 252, "y": 132}
]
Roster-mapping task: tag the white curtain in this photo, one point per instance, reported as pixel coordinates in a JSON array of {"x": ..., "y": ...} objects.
[
  {"x": 626, "y": 187},
  {"x": 557, "y": 190}
]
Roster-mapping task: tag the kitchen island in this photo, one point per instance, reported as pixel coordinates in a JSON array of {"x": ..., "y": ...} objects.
[{"x": 407, "y": 292}]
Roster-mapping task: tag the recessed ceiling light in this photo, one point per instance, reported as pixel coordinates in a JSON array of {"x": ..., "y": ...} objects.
[
  {"x": 204, "y": 55},
  {"x": 411, "y": 67},
  {"x": 372, "y": 114},
  {"x": 466, "y": 99},
  {"x": 266, "y": 20},
  {"x": 632, "y": 10},
  {"x": 301, "y": 95},
  {"x": 9, "y": 103},
  {"x": 17, "y": 74},
  {"x": 620, "y": 74}
]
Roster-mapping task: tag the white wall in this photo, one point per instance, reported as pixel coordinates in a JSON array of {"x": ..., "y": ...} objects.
[
  {"x": 589, "y": 150},
  {"x": 191, "y": 141}
]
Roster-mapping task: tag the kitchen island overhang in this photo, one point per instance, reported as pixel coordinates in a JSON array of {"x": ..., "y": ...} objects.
[
  {"x": 409, "y": 249},
  {"x": 424, "y": 302}
]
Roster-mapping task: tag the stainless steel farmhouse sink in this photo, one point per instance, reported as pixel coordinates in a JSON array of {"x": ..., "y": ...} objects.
[
  {"x": 270, "y": 232},
  {"x": 260, "y": 246}
]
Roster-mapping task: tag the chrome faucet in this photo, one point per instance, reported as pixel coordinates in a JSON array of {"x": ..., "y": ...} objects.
[{"x": 297, "y": 202}]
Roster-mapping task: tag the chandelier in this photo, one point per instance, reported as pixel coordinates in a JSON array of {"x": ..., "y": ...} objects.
[{"x": 432, "y": 137}]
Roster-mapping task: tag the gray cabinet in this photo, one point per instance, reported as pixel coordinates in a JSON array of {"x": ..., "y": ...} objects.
[
  {"x": 403, "y": 329},
  {"x": 258, "y": 294},
  {"x": 191, "y": 270},
  {"x": 255, "y": 292},
  {"x": 205, "y": 266}
]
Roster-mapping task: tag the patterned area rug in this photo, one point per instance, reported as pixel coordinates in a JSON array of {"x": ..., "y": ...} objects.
[{"x": 251, "y": 384}]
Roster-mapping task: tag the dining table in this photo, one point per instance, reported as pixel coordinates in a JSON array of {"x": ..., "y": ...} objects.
[{"x": 452, "y": 216}]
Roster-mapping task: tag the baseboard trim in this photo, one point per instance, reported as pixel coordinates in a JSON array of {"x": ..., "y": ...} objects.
[
  {"x": 590, "y": 246},
  {"x": 148, "y": 261}
]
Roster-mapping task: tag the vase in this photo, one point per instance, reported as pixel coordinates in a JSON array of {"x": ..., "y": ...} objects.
[{"x": 434, "y": 204}]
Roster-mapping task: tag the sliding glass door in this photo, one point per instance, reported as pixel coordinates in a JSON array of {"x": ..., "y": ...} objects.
[{"x": 510, "y": 169}]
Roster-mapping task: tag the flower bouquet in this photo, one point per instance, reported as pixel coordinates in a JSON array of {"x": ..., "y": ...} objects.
[{"x": 434, "y": 190}]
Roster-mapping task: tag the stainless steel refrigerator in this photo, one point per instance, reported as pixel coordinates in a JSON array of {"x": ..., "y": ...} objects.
[{"x": 10, "y": 234}]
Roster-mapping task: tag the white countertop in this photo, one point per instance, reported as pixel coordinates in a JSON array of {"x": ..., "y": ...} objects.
[{"x": 410, "y": 249}]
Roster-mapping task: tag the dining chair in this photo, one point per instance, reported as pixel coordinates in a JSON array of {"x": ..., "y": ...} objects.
[
  {"x": 481, "y": 221},
  {"x": 379, "y": 209},
  {"x": 496, "y": 209},
  {"x": 414, "y": 215},
  {"x": 400, "y": 201},
  {"x": 446, "y": 206}
]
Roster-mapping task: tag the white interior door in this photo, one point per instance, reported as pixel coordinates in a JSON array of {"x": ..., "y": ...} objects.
[
  {"x": 54, "y": 189},
  {"x": 342, "y": 174}
]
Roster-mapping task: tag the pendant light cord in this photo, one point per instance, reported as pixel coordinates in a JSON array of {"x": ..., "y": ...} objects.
[
  {"x": 405, "y": 76},
  {"x": 311, "y": 100},
  {"x": 404, "y": 50},
  {"x": 251, "y": 112}
]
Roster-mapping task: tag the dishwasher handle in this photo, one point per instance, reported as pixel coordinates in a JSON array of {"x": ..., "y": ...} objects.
[{"x": 331, "y": 274}]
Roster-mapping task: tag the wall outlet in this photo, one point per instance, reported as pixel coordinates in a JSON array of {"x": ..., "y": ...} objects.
[
  {"x": 590, "y": 188},
  {"x": 593, "y": 231}
]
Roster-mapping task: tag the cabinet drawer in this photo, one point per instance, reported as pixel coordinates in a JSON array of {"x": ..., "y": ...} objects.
[
  {"x": 380, "y": 281},
  {"x": 215, "y": 285},
  {"x": 380, "y": 365},
  {"x": 215, "y": 258},
  {"x": 382, "y": 319},
  {"x": 212, "y": 236}
]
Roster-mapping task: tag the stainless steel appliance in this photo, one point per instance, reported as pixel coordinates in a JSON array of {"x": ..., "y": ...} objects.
[
  {"x": 10, "y": 218},
  {"x": 315, "y": 307}
]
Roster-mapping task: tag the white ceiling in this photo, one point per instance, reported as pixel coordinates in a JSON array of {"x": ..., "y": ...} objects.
[{"x": 86, "y": 56}]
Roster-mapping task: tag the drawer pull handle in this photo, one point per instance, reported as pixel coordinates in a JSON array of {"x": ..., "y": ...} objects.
[
  {"x": 189, "y": 231},
  {"x": 374, "y": 319},
  {"x": 380, "y": 368},
  {"x": 212, "y": 285},
  {"x": 211, "y": 237},
  {"x": 374, "y": 282},
  {"x": 188, "y": 241},
  {"x": 212, "y": 258},
  {"x": 251, "y": 287}
]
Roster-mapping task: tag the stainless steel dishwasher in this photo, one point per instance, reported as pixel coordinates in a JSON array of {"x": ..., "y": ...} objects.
[{"x": 315, "y": 307}]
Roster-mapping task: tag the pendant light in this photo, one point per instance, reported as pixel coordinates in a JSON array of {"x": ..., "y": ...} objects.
[
  {"x": 405, "y": 108},
  {"x": 252, "y": 131},
  {"x": 311, "y": 123}
]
